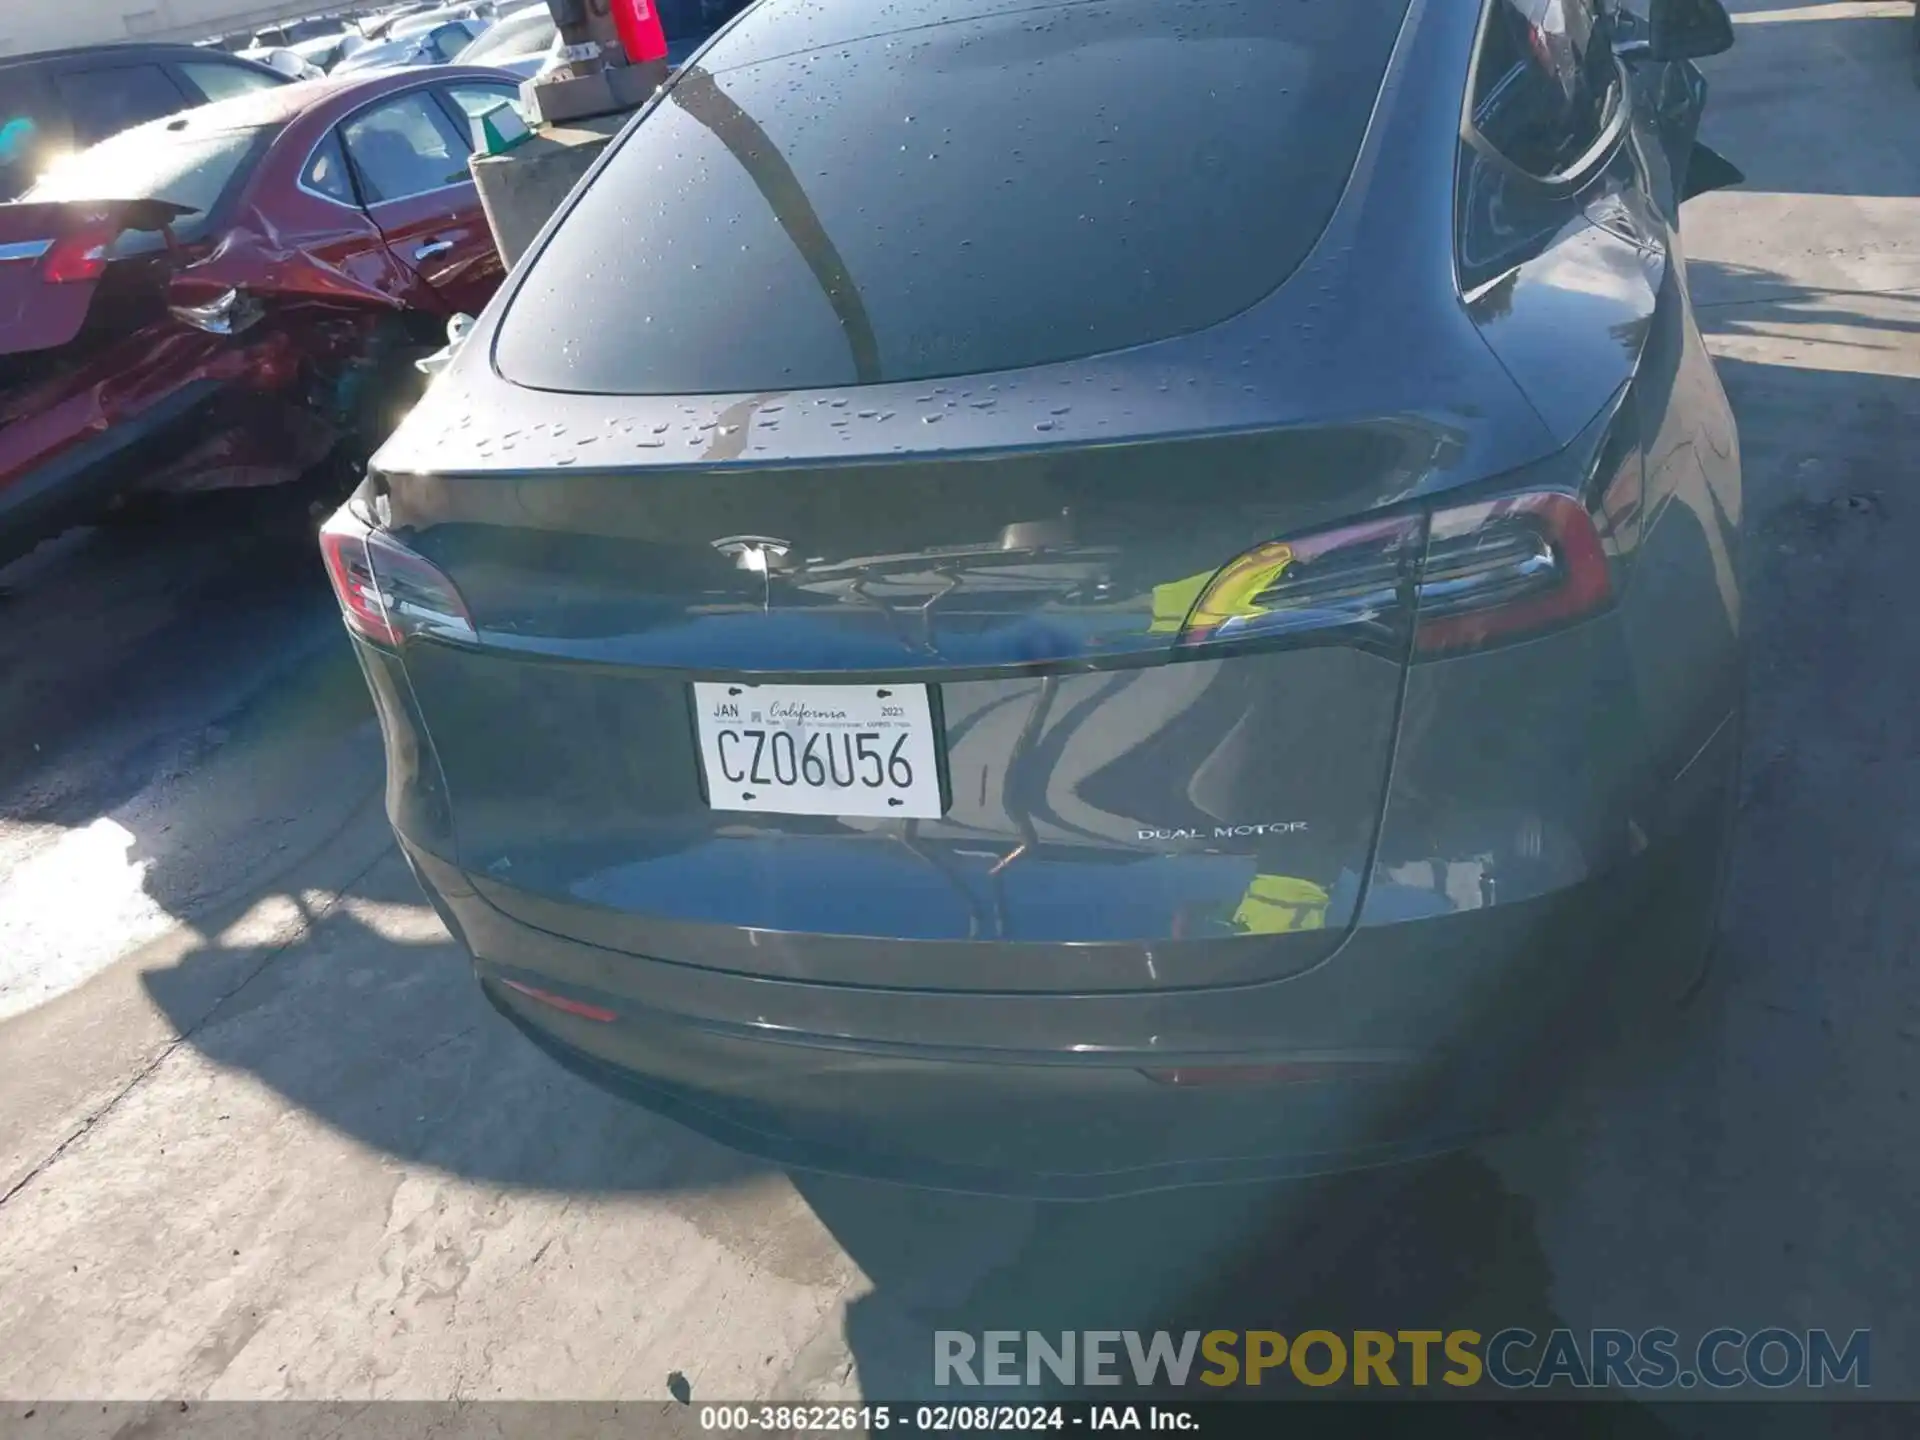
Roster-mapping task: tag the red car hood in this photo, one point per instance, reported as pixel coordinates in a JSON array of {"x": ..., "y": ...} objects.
[{"x": 46, "y": 278}]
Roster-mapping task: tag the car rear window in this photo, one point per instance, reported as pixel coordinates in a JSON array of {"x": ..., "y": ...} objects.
[
  {"x": 985, "y": 192},
  {"x": 107, "y": 100},
  {"x": 152, "y": 163}
]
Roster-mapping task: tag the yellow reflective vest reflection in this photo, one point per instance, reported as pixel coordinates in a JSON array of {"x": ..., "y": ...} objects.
[{"x": 1275, "y": 904}]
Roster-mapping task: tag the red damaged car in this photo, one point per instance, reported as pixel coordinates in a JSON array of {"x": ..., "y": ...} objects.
[{"x": 224, "y": 297}]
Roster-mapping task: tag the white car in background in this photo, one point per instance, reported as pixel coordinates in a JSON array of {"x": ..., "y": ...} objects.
[
  {"x": 286, "y": 60},
  {"x": 409, "y": 27},
  {"x": 518, "y": 42},
  {"x": 327, "y": 51},
  {"x": 321, "y": 40},
  {"x": 435, "y": 44}
]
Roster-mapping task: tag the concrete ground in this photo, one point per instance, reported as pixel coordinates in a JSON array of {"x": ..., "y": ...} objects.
[{"x": 260, "y": 1137}]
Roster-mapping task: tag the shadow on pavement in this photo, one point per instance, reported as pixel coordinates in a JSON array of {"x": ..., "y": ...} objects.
[
  {"x": 1438, "y": 1245},
  {"x": 374, "y": 1026},
  {"x": 121, "y": 637}
]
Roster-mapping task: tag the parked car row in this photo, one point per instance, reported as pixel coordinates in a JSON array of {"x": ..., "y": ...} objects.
[
  {"x": 520, "y": 41},
  {"x": 326, "y": 40},
  {"x": 438, "y": 44},
  {"x": 435, "y": 35},
  {"x": 310, "y": 35},
  {"x": 55, "y": 102},
  {"x": 60, "y": 101},
  {"x": 228, "y": 296},
  {"x": 523, "y": 39},
  {"x": 321, "y": 44},
  {"x": 315, "y": 45},
  {"x": 526, "y": 41},
  {"x": 217, "y": 268}
]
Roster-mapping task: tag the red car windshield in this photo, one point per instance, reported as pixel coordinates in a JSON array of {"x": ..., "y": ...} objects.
[{"x": 153, "y": 163}]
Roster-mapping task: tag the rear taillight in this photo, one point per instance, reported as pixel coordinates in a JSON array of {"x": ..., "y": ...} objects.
[
  {"x": 1457, "y": 578},
  {"x": 1508, "y": 568},
  {"x": 79, "y": 256},
  {"x": 562, "y": 1003},
  {"x": 1352, "y": 586},
  {"x": 387, "y": 593}
]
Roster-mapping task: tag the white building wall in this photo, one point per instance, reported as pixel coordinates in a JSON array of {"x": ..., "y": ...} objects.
[{"x": 27, "y": 25}]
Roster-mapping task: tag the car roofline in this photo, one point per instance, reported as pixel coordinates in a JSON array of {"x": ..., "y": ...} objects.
[{"x": 181, "y": 48}]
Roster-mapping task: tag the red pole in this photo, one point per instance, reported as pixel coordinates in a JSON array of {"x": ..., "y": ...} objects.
[{"x": 641, "y": 34}]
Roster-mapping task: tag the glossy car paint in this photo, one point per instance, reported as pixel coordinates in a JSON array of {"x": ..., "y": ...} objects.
[
  {"x": 38, "y": 316},
  {"x": 1065, "y": 986},
  {"x": 336, "y": 282}
]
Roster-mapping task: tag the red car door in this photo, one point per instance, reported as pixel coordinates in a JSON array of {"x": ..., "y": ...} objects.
[
  {"x": 337, "y": 232},
  {"x": 411, "y": 162}
]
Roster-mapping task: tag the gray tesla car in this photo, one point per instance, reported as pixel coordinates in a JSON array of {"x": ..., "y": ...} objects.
[{"x": 1084, "y": 597}]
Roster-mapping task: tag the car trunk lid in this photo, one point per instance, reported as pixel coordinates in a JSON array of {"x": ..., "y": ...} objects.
[
  {"x": 1118, "y": 807},
  {"x": 53, "y": 255}
]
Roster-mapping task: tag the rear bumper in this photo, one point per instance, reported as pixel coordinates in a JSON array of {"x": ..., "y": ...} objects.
[{"x": 1414, "y": 1037}]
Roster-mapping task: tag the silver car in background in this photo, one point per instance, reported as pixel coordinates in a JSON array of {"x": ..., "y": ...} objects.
[
  {"x": 435, "y": 44},
  {"x": 517, "y": 43}
]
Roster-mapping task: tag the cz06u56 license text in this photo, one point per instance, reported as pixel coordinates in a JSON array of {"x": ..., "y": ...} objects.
[{"x": 789, "y": 764}]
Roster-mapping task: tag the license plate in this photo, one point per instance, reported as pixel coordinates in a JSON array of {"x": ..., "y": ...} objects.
[{"x": 852, "y": 750}]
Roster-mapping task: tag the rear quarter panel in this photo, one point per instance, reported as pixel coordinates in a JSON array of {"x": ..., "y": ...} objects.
[{"x": 1682, "y": 610}]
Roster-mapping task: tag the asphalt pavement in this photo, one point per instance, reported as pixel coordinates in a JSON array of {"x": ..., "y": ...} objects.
[{"x": 260, "y": 1137}]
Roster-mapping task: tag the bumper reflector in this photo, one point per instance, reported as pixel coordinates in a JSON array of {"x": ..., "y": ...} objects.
[{"x": 560, "y": 1002}]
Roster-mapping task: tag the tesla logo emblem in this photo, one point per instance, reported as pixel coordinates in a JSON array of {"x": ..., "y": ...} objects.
[{"x": 752, "y": 552}]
